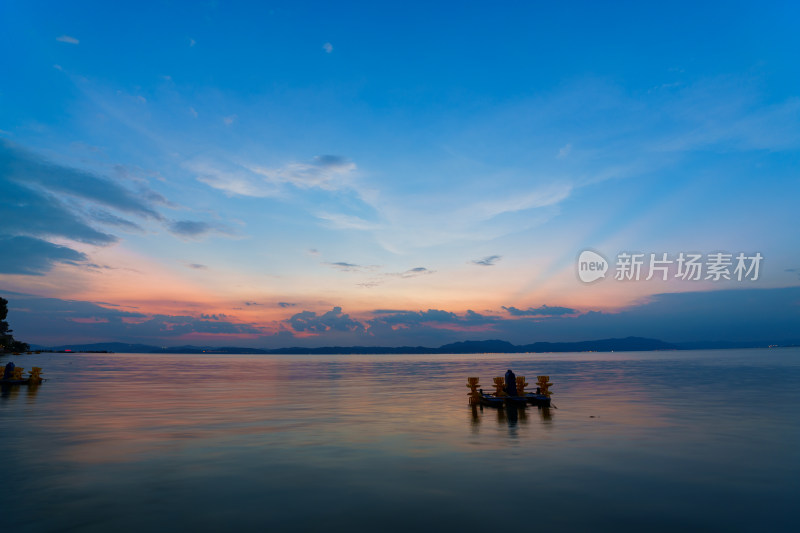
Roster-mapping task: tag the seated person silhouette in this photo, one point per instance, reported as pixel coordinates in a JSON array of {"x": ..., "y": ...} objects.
[
  {"x": 8, "y": 372},
  {"x": 511, "y": 383}
]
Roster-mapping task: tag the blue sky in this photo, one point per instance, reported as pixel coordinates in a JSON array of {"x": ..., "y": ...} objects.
[{"x": 257, "y": 162}]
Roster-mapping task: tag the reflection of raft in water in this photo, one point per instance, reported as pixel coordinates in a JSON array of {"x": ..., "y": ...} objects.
[
  {"x": 499, "y": 398},
  {"x": 12, "y": 375}
]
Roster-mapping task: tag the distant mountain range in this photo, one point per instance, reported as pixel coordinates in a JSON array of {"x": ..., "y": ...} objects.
[{"x": 628, "y": 344}]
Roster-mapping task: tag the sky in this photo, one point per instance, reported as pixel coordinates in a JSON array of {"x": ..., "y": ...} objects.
[{"x": 309, "y": 174}]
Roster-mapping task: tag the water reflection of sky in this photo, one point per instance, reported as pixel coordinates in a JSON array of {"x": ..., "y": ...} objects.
[{"x": 637, "y": 442}]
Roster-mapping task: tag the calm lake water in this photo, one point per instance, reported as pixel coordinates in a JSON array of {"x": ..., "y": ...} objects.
[{"x": 645, "y": 441}]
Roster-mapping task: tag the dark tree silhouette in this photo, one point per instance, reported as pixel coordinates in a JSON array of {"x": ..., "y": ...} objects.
[{"x": 7, "y": 342}]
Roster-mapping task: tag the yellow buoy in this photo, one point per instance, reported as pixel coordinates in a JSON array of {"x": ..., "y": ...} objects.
[
  {"x": 35, "y": 375},
  {"x": 543, "y": 383},
  {"x": 474, "y": 395},
  {"x": 521, "y": 384},
  {"x": 499, "y": 384}
]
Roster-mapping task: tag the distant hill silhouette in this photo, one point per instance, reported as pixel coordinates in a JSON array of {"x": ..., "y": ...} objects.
[
  {"x": 120, "y": 347},
  {"x": 627, "y": 344},
  {"x": 487, "y": 346}
]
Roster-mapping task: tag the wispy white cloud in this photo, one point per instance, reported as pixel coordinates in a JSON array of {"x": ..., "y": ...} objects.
[
  {"x": 540, "y": 197},
  {"x": 382, "y": 278},
  {"x": 325, "y": 172},
  {"x": 67, "y": 39},
  {"x": 328, "y": 47},
  {"x": 341, "y": 221},
  {"x": 564, "y": 151},
  {"x": 415, "y": 222},
  {"x": 232, "y": 179}
]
